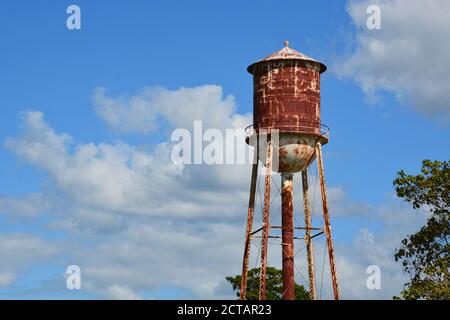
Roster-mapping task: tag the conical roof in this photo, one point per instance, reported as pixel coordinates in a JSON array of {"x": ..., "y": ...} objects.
[{"x": 287, "y": 54}]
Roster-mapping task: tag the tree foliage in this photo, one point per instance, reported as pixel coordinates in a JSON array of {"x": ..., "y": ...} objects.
[
  {"x": 274, "y": 285},
  {"x": 425, "y": 255}
]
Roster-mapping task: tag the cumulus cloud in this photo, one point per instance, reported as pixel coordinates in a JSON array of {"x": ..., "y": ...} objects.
[
  {"x": 120, "y": 177},
  {"x": 150, "y": 256},
  {"x": 122, "y": 293},
  {"x": 179, "y": 108},
  {"x": 408, "y": 56},
  {"x": 27, "y": 207},
  {"x": 18, "y": 251},
  {"x": 150, "y": 223}
]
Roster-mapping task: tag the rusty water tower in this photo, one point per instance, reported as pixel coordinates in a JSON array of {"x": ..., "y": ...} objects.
[{"x": 287, "y": 128}]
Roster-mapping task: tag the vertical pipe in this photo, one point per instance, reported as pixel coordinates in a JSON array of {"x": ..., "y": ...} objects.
[
  {"x": 287, "y": 235},
  {"x": 309, "y": 246},
  {"x": 250, "y": 211},
  {"x": 327, "y": 224},
  {"x": 265, "y": 224}
]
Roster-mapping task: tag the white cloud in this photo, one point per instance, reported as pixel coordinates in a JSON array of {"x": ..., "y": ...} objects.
[
  {"x": 144, "y": 216},
  {"x": 120, "y": 177},
  {"x": 18, "y": 251},
  {"x": 377, "y": 247},
  {"x": 407, "y": 57},
  {"x": 28, "y": 206},
  {"x": 6, "y": 278},
  {"x": 153, "y": 255},
  {"x": 122, "y": 293},
  {"x": 179, "y": 108}
]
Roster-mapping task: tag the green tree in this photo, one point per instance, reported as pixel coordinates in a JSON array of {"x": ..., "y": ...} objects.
[
  {"x": 274, "y": 285},
  {"x": 425, "y": 255}
]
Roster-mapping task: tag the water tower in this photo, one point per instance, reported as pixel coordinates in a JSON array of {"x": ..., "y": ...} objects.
[{"x": 287, "y": 131}]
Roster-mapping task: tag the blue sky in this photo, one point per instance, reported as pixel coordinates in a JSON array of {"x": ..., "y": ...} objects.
[{"x": 128, "y": 46}]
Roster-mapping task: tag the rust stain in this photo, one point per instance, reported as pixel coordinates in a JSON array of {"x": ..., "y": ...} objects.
[
  {"x": 286, "y": 97},
  {"x": 287, "y": 92}
]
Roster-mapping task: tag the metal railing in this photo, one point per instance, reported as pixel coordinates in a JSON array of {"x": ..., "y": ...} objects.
[{"x": 323, "y": 130}]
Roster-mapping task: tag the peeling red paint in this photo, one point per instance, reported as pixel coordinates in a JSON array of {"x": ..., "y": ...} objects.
[{"x": 286, "y": 97}]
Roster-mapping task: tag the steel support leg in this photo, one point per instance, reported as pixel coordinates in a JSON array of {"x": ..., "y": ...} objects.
[
  {"x": 251, "y": 207},
  {"x": 265, "y": 224},
  {"x": 326, "y": 217},
  {"x": 308, "y": 226}
]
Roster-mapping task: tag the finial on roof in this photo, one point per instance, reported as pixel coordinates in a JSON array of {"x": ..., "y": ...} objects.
[{"x": 288, "y": 53}]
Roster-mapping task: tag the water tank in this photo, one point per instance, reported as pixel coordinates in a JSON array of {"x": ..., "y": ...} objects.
[{"x": 286, "y": 97}]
